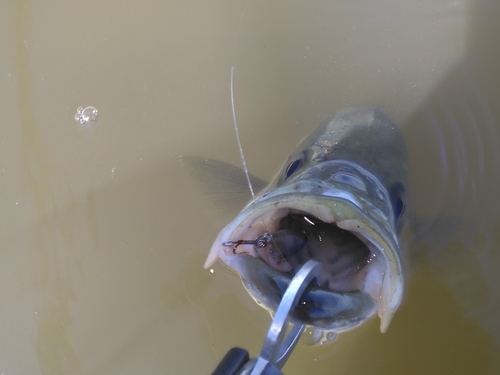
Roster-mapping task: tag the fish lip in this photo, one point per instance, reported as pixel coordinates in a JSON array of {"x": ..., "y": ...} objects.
[
  {"x": 344, "y": 210},
  {"x": 350, "y": 309}
]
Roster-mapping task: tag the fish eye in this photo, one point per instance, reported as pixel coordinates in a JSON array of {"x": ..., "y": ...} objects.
[
  {"x": 292, "y": 167},
  {"x": 399, "y": 208},
  {"x": 397, "y": 193}
]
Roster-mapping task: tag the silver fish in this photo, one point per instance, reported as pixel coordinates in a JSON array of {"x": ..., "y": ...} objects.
[{"x": 339, "y": 198}]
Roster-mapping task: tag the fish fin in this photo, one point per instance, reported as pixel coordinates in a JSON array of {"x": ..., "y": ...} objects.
[{"x": 224, "y": 184}]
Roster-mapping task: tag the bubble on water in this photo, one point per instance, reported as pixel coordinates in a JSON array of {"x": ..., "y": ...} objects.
[
  {"x": 87, "y": 119},
  {"x": 113, "y": 172}
]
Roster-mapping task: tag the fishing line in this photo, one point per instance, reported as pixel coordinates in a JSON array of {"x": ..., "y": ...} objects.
[
  {"x": 249, "y": 182},
  {"x": 238, "y": 137},
  {"x": 238, "y": 27}
]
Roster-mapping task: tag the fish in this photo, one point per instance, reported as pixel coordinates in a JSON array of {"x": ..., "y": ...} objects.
[{"x": 341, "y": 197}]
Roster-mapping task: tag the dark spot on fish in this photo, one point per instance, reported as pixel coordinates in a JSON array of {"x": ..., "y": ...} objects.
[
  {"x": 292, "y": 167},
  {"x": 397, "y": 193},
  {"x": 399, "y": 208}
]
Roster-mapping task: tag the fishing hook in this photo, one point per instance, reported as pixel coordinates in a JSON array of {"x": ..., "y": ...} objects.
[{"x": 259, "y": 242}]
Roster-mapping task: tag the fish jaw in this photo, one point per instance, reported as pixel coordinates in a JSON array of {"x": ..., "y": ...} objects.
[
  {"x": 324, "y": 310},
  {"x": 383, "y": 281}
]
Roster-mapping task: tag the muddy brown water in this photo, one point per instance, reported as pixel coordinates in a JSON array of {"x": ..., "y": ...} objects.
[{"x": 103, "y": 234}]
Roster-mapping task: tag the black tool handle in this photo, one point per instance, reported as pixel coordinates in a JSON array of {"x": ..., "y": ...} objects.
[{"x": 232, "y": 362}]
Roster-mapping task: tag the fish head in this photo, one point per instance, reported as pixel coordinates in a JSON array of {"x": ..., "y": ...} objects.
[{"x": 340, "y": 199}]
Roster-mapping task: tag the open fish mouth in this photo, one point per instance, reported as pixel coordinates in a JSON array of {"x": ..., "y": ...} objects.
[
  {"x": 292, "y": 240},
  {"x": 286, "y": 227}
]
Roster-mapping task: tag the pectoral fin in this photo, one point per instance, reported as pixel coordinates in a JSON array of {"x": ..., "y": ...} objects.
[{"x": 224, "y": 184}]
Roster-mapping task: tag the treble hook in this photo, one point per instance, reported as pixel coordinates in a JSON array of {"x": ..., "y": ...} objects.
[{"x": 260, "y": 241}]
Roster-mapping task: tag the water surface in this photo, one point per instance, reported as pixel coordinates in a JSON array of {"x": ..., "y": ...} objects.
[{"x": 103, "y": 233}]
